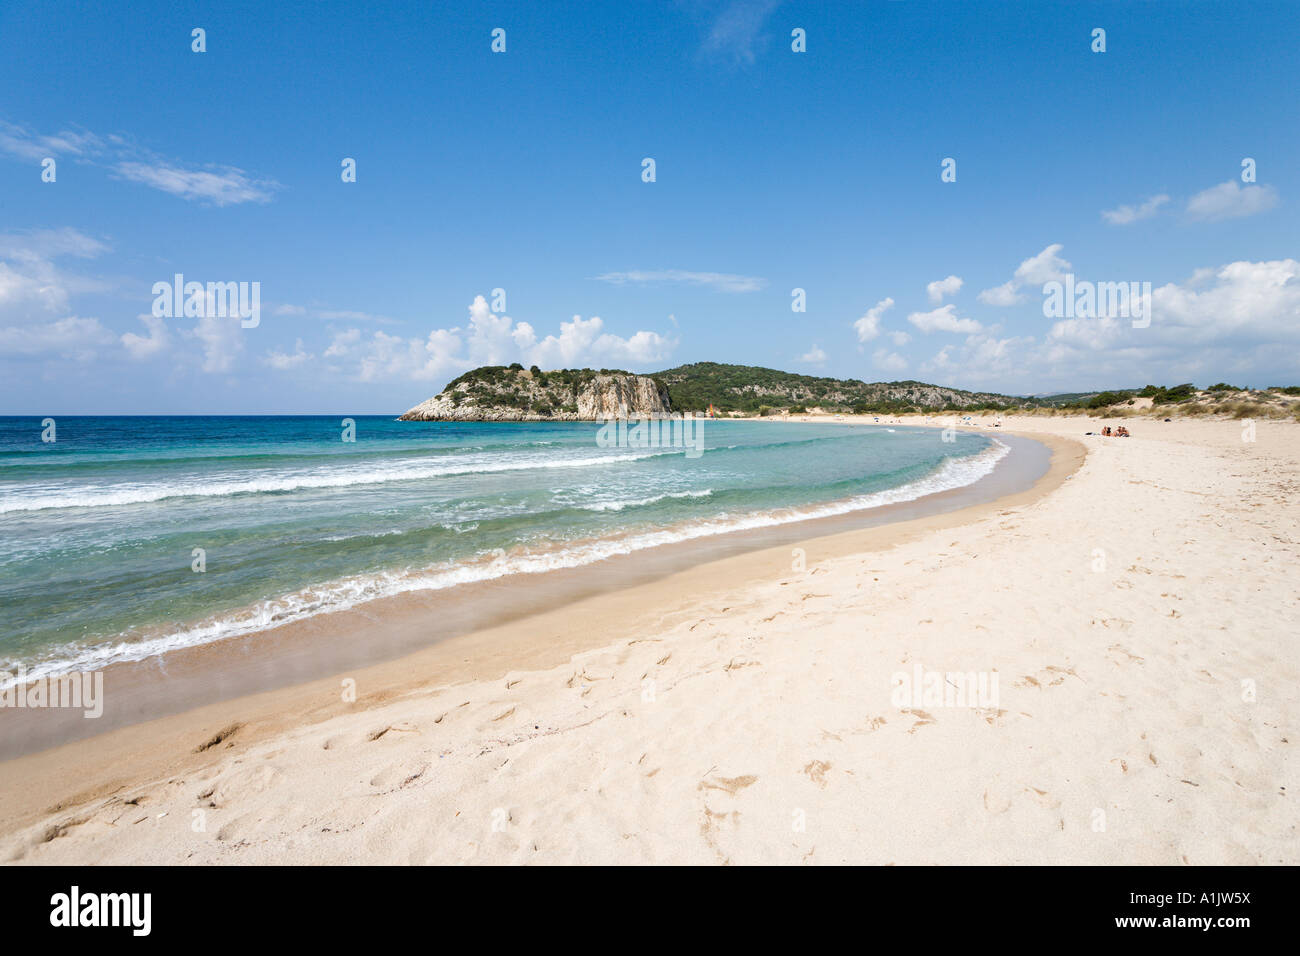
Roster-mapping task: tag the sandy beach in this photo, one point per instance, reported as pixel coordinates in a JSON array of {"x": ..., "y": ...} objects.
[{"x": 1133, "y": 614}]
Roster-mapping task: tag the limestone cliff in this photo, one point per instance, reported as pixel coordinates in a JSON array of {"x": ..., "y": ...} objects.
[{"x": 499, "y": 394}]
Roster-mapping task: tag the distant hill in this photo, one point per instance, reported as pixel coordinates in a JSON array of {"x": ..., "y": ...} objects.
[
  {"x": 749, "y": 388},
  {"x": 499, "y": 393},
  {"x": 513, "y": 393}
]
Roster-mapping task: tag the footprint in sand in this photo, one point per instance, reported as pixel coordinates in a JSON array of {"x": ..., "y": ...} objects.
[
  {"x": 713, "y": 820},
  {"x": 816, "y": 771},
  {"x": 403, "y": 727},
  {"x": 399, "y": 775},
  {"x": 237, "y": 785},
  {"x": 220, "y": 737},
  {"x": 922, "y": 718}
]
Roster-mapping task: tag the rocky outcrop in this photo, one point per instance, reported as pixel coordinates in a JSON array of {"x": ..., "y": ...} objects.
[{"x": 496, "y": 394}]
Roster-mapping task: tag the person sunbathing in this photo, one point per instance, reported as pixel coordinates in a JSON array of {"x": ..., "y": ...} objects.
[{"x": 1106, "y": 431}]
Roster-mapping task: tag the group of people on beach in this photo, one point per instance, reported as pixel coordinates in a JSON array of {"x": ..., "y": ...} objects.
[{"x": 1119, "y": 431}]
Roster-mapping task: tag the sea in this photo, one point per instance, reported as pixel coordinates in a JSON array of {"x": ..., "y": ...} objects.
[{"x": 124, "y": 537}]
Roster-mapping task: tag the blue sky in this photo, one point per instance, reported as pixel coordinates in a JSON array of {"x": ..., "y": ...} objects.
[{"x": 522, "y": 171}]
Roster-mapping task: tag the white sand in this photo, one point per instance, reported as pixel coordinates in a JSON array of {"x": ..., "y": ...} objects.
[{"x": 1124, "y": 614}]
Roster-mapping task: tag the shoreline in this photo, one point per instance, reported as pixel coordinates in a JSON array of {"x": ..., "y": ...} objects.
[
  {"x": 390, "y": 626},
  {"x": 1135, "y": 619},
  {"x": 161, "y": 640},
  {"x": 537, "y": 636}
]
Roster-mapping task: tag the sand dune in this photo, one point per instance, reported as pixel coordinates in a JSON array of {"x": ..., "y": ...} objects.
[{"x": 1139, "y": 618}]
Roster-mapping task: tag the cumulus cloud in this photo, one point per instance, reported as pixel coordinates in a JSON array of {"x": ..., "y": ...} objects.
[
  {"x": 943, "y": 287},
  {"x": 1244, "y": 300},
  {"x": 1231, "y": 200},
  {"x": 1046, "y": 266},
  {"x": 943, "y": 319},
  {"x": 1123, "y": 215},
  {"x": 889, "y": 361},
  {"x": 491, "y": 339},
  {"x": 868, "y": 326},
  {"x": 73, "y": 337},
  {"x": 1241, "y": 316},
  {"x": 383, "y": 357},
  {"x": 814, "y": 356},
  {"x": 32, "y": 286},
  {"x": 220, "y": 339},
  {"x": 142, "y": 347},
  {"x": 285, "y": 361}
]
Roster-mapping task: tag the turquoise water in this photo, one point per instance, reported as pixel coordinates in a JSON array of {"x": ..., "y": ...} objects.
[{"x": 100, "y": 526}]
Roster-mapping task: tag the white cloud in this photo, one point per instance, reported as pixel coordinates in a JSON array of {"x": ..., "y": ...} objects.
[
  {"x": 899, "y": 337},
  {"x": 219, "y": 185},
  {"x": 582, "y": 340},
  {"x": 1046, "y": 266},
  {"x": 889, "y": 361},
  {"x": 979, "y": 360},
  {"x": 286, "y": 361},
  {"x": 641, "y": 348},
  {"x": 718, "y": 281},
  {"x": 1123, "y": 215},
  {"x": 1002, "y": 295},
  {"x": 814, "y": 356},
  {"x": 383, "y": 357},
  {"x": 144, "y": 347},
  {"x": 1240, "y": 317},
  {"x": 943, "y": 287},
  {"x": 491, "y": 339},
  {"x": 50, "y": 244},
  {"x": 75, "y": 338},
  {"x": 943, "y": 319},
  {"x": 1231, "y": 200},
  {"x": 23, "y": 143},
  {"x": 221, "y": 340},
  {"x": 30, "y": 284},
  {"x": 288, "y": 309},
  {"x": 735, "y": 34},
  {"x": 868, "y": 326},
  {"x": 350, "y": 315},
  {"x": 1247, "y": 299}
]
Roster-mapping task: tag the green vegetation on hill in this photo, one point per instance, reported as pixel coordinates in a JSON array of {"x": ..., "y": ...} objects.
[
  {"x": 509, "y": 386},
  {"x": 754, "y": 390},
  {"x": 1161, "y": 395},
  {"x": 749, "y": 389}
]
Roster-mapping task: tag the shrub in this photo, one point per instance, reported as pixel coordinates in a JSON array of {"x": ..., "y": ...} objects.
[{"x": 1106, "y": 399}]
